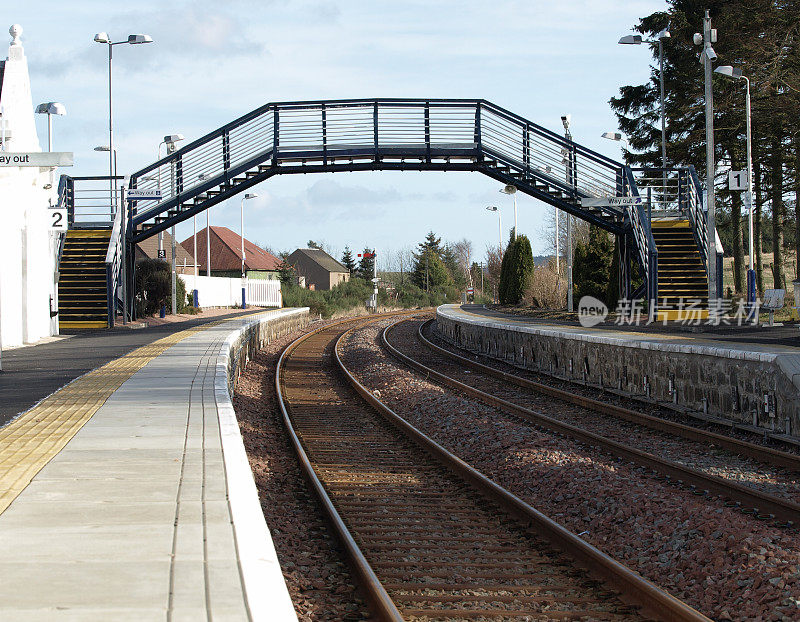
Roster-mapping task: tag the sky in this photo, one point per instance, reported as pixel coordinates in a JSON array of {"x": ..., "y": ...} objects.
[{"x": 212, "y": 62}]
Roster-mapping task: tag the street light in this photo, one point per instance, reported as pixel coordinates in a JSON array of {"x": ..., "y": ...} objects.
[
  {"x": 169, "y": 141},
  {"x": 102, "y": 37},
  {"x": 247, "y": 197},
  {"x": 50, "y": 109},
  {"x": 736, "y": 73},
  {"x": 494, "y": 208},
  {"x": 638, "y": 40},
  {"x": 512, "y": 190}
]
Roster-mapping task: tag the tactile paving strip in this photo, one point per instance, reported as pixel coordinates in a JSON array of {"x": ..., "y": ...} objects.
[{"x": 28, "y": 443}]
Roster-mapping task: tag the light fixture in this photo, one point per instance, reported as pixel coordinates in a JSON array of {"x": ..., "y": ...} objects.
[
  {"x": 727, "y": 70},
  {"x": 631, "y": 40},
  {"x": 51, "y": 108},
  {"x": 509, "y": 189},
  {"x": 102, "y": 148},
  {"x": 138, "y": 39},
  {"x": 102, "y": 37},
  {"x": 173, "y": 138},
  {"x": 611, "y": 135},
  {"x": 251, "y": 195}
]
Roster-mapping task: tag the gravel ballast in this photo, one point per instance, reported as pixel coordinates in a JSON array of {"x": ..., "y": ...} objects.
[{"x": 725, "y": 564}]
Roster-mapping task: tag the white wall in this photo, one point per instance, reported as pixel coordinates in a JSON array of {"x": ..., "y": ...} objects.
[
  {"x": 27, "y": 248},
  {"x": 217, "y": 291}
]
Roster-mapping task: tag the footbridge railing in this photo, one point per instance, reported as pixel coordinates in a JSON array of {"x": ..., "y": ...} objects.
[{"x": 384, "y": 134}]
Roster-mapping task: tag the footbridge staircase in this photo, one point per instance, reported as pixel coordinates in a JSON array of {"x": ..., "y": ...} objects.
[{"x": 419, "y": 135}]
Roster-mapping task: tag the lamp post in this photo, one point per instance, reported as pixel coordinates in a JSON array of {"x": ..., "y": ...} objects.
[
  {"x": 494, "y": 208},
  {"x": 638, "y": 40},
  {"x": 512, "y": 190},
  {"x": 247, "y": 197},
  {"x": 731, "y": 72},
  {"x": 708, "y": 37},
  {"x": 50, "y": 109},
  {"x": 170, "y": 141},
  {"x": 102, "y": 37}
]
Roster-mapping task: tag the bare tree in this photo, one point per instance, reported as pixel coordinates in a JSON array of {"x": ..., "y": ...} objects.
[{"x": 463, "y": 251}]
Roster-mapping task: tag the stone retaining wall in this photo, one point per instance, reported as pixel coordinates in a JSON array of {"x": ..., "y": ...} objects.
[{"x": 727, "y": 383}]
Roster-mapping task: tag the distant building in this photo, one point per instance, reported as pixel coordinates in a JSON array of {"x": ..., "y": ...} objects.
[
  {"x": 184, "y": 262},
  {"x": 226, "y": 255},
  {"x": 320, "y": 270}
]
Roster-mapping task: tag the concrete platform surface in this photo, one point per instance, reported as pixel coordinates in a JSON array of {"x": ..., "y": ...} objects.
[{"x": 149, "y": 510}]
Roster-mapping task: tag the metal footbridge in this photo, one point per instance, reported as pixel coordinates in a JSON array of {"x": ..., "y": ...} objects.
[{"x": 415, "y": 135}]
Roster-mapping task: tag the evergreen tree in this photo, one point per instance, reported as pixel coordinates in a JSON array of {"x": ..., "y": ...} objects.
[
  {"x": 347, "y": 260},
  {"x": 591, "y": 267},
  {"x": 313, "y": 244},
  {"x": 286, "y": 271},
  {"x": 430, "y": 272},
  {"x": 450, "y": 261},
  {"x": 366, "y": 265},
  {"x": 431, "y": 243},
  {"x": 516, "y": 271}
]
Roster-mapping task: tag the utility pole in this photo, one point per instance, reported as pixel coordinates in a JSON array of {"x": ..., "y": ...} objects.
[
  {"x": 572, "y": 182},
  {"x": 709, "y": 36}
]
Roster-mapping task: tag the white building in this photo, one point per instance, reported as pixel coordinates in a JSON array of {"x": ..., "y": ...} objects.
[{"x": 28, "y": 262}]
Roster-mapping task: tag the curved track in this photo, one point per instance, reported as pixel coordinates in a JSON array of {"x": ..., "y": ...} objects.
[
  {"x": 428, "y": 536},
  {"x": 485, "y": 387}
]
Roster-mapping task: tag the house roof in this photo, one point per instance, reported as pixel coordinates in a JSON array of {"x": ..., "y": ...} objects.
[
  {"x": 322, "y": 258},
  {"x": 226, "y": 251},
  {"x": 149, "y": 248}
]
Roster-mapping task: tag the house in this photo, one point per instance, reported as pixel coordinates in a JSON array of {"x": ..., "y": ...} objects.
[
  {"x": 320, "y": 270},
  {"x": 184, "y": 262},
  {"x": 226, "y": 255}
]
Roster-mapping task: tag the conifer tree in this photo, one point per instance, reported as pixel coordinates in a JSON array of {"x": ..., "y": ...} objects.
[{"x": 347, "y": 260}]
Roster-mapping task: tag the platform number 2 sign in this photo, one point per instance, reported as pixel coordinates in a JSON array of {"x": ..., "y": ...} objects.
[
  {"x": 737, "y": 180},
  {"x": 57, "y": 219}
]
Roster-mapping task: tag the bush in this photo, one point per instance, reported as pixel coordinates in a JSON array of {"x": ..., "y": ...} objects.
[
  {"x": 516, "y": 271},
  {"x": 153, "y": 286},
  {"x": 592, "y": 267},
  {"x": 354, "y": 294}
]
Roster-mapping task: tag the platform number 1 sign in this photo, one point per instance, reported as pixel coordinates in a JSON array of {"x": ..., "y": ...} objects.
[
  {"x": 737, "y": 180},
  {"x": 57, "y": 219}
]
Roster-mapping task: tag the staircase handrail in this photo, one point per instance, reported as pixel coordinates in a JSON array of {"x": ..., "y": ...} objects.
[
  {"x": 643, "y": 234},
  {"x": 696, "y": 213},
  {"x": 114, "y": 266}
]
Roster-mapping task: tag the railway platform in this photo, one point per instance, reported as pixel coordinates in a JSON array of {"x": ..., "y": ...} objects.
[
  {"x": 747, "y": 378},
  {"x": 127, "y": 494}
]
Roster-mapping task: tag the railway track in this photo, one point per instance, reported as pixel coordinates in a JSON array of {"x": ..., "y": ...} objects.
[
  {"x": 489, "y": 383},
  {"x": 428, "y": 536}
]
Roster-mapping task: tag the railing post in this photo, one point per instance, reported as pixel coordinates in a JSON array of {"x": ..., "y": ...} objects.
[
  {"x": 324, "y": 136},
  {"x": 375, "y": 129},
  {"x": 477, "y": 136},
  {"x": 428, "y": 132},
  {"x": 526, "y": 148},
  {"x": 70, "y": 200},
  {"x": 226, "y": 150},
  {"x": 275, "y": 137},
  {"x": 178, "y": 176}
]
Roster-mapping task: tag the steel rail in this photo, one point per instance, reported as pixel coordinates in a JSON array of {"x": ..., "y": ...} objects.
[
  {"x": 633, "y": 587},
  {"x": 374, "y": 591},
  {"x": 760, "y": 503},
  {"x": 751, "y": 450}
]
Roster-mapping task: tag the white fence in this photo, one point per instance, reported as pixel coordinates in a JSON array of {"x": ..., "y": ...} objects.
[{"x": 217, "y": 291}]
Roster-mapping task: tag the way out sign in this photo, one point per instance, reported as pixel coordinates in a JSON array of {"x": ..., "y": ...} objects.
[
  {"x": 144, "y": 195},
  {"x": 610, "y": 201},
  {"x": 41, "y": 159}
]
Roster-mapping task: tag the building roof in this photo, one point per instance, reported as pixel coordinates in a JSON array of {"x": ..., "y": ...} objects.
[
  {"x": 322, "y": 258},
  {"x": 149, "y": 248},
  {"x": 226, "y": 251}
]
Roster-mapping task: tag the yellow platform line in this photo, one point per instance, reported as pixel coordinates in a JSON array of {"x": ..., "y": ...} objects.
[{"x": 28, "y": 443}]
